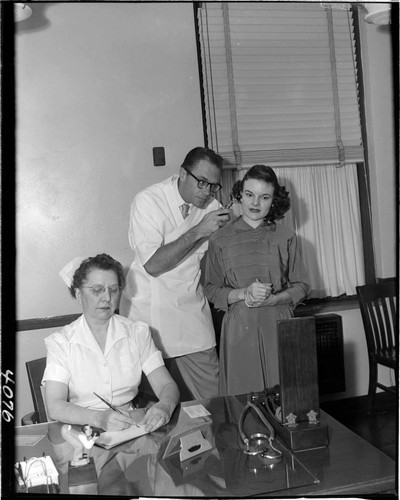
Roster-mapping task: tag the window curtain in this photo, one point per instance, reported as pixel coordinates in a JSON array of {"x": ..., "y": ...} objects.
[
  {"x": 325, "y": 214},
  {"x": 280, "y": 83}
]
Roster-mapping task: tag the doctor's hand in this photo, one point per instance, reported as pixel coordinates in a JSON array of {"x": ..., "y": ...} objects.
[{"x": 213, "y": 221}]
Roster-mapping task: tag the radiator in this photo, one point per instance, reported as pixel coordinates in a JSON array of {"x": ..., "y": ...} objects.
[{"x": 330, "y": 353}]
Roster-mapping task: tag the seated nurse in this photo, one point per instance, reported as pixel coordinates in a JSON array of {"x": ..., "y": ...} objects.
[{"x": 104, "y": 353}]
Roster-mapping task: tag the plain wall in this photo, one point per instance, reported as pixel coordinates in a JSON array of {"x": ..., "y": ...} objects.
[{"x": 97, "y": 88}]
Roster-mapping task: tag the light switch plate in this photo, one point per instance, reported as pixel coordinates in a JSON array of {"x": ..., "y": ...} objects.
[{"x": 159, "y": 156}]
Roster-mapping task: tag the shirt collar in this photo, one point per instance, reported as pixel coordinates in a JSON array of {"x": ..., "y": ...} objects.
[
  {"x": 115, "y": 333},
  {"x": 177, "y": 195},
  {"x": 83, "y": 334}
]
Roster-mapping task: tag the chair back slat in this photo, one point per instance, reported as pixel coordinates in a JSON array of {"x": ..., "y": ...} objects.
[
  {"x": 393, "y": 314},
  {"x": 383, "y": 329},
  {"x": 388, "y": 322},
  {"x": 373, "y": 327},
  {"x": 378, "y": 310}
]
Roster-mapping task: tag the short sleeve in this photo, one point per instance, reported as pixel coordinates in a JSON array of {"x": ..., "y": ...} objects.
[
  {"x": 57, "y": 360},
  {"x": 153, "y": 362},
  {"x": 150, "y": 357},
  {"x": 145, "y": 234}
]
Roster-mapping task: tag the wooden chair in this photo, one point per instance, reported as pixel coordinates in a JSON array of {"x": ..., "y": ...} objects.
[
  {"x": 35, "y": 369},
  {"x": 378, "y": 305}
]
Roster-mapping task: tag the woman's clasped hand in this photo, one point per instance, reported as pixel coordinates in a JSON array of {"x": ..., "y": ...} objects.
[{"x": 257, "y": 294}]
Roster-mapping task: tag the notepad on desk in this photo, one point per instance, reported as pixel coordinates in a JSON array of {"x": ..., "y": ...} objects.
[{"x": 110, "y": 439}]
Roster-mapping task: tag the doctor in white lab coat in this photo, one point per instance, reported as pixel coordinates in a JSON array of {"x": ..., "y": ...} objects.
[{"x": 170, "y": 223}]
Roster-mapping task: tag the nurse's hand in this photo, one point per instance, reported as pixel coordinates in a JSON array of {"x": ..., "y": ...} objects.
[
  {"x": 156, "y": 416},
  {"x": 111, "y": 420}
]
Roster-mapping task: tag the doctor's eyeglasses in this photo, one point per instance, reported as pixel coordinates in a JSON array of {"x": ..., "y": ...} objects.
[
  {"x": 202, "y": 184},
  {"x": 98, "y": 290}
]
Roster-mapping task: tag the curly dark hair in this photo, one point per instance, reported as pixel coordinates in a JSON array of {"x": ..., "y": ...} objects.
[
  {"x": 200, "y": 153},
  {"x": 101, "y": 261},
  {"x": 95, "y": 432},
  {"x": 281, "y": 201}
]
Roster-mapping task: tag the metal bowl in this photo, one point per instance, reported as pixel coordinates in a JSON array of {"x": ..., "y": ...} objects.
[{"x": 257, "y": 443}]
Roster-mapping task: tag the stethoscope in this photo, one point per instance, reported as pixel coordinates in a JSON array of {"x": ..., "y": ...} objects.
[{"x": 259, "y": 443}]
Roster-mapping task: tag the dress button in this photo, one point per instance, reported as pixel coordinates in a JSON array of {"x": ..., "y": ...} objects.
[{"x": 107, "y": 382}]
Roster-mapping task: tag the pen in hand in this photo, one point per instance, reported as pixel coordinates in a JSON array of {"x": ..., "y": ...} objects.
[
  {"x": 114, "y": 408},
  {"x": 108, "y": 404}
]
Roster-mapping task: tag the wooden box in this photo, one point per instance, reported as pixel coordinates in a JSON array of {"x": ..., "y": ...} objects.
[{"x": 298, "y": 372}]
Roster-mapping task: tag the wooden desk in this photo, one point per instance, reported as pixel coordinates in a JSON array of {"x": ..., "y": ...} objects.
[{"x": 350, "y": 465}]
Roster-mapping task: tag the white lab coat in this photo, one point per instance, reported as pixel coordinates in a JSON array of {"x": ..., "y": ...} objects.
[{"x": 173, "y": 304}]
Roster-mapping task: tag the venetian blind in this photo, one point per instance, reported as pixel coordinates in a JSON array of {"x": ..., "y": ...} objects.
[{"x": 280, "y": 83}]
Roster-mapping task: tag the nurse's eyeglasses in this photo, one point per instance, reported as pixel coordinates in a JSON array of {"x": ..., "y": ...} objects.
[
  {"x": 98, "y": 290},
  {"x": 202, "y": 184}
]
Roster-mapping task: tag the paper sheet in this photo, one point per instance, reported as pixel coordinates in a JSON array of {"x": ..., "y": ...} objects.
[
  {"x": 109, "y": 439},
  {"x": 196, "y": 411}
]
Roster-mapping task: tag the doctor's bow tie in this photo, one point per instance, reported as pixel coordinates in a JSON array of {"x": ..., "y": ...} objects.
[{"x": 184, "y": 210}]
